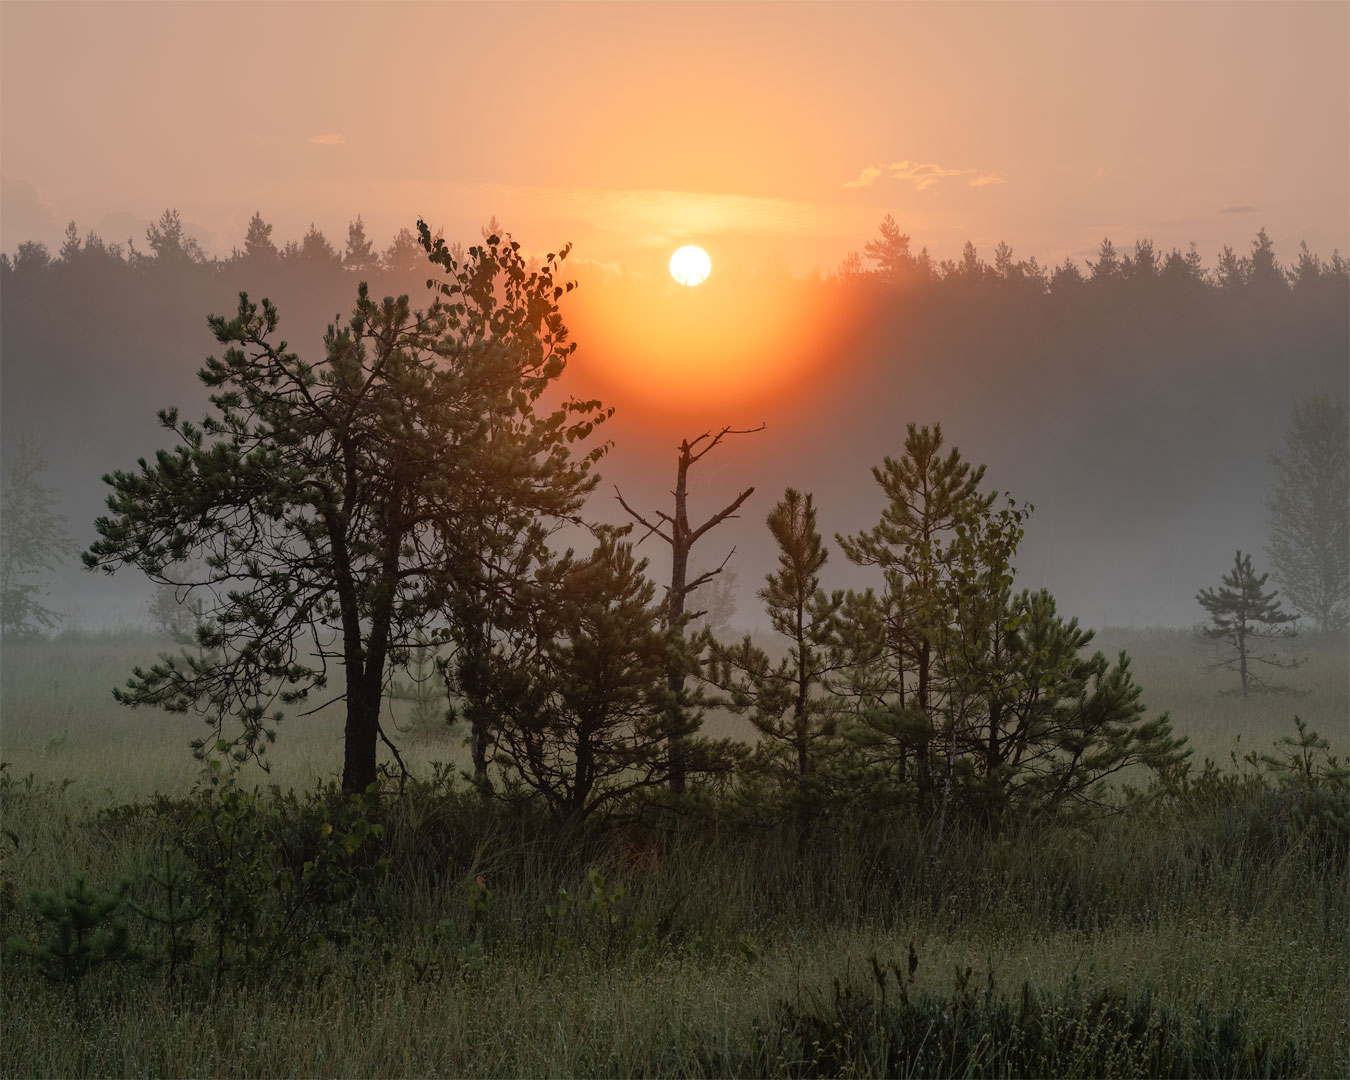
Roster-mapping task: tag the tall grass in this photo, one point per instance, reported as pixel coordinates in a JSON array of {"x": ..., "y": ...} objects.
[{"x": 703, "y": 950}]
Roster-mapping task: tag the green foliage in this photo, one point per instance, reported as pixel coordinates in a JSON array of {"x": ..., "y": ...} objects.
[
  {"x": 1301, "y": 759},
  {"x": 1307, "y": 806},
  {"x": 687, "y": 963},
  {"x": 331, "y": 502},
  {"x": 258, "y": 884},
  {"x": 271, "y": 874},
  {"x": 583, "y": 704},
  {"x": 85, "y": 929},
  {"x": 172, "y": 910},
  {"x": 890, "y": 637},
  {"x": 1242, "y": 616},
  {"x": 33, "y": 542},
  {"x": 969, "y": 701},
  {"x": 884, "y": 1029},
  {"x": 604, "y": 921},
  {"x": 1309, "y": 544},
  {"x": 788, "y": 706}
]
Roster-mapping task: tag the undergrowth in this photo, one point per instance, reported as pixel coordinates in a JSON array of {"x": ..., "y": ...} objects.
[{"x": 1198, "y": 930}]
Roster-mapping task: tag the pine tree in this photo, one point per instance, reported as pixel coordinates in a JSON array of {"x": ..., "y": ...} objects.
[
  {"x": 1264, "y": 274},
  {"x": 585, "y": 712},
  {"x": 258, "y": 244},
  {"x": 70, "y": 246},
  {"x": 333, "y": 499},
  {"x": 789, "y": 704},
  {"x": 360, "y": 257},
  {"x": 1232, "y": 272},
  {"x": 1309, "y": 513},
  {"x": 172, "y": 246},
  {"x": 404, "y": 254},
  {"x": 986, "y": 693},
  {"x": 894, "y": 263},
  {"x": 316, "y": 250},
  {"x": 1107, "y": 269},
  {"x": 1242, "y": 617},
  {"x": 928, "y": 494}
]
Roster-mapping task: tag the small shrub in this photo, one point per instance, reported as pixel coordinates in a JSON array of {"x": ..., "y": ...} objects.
[{"x": 86, "y": 928}]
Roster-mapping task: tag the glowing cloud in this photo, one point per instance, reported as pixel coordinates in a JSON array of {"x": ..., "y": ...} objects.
[
  {"x": 336, "y": 139},
  {"x": 866, "y": 178},
  {"x": 922, "y": 174}
]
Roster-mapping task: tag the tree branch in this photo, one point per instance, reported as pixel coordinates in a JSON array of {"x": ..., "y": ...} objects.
[
  {"x": 641, "y": 520},
  {"x": 722, "y": 515},
  {"x": 719, "y": 437}
]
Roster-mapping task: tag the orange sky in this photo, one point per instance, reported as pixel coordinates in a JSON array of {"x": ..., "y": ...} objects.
[{"x": 771, "y": 134}]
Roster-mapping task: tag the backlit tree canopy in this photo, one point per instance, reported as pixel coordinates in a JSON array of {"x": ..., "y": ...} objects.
[{"x": 337, "y": 505}]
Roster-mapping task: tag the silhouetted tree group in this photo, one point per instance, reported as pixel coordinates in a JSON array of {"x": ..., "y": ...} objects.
[
  {"x": 335, "y": 507},
  {"x": 403, "y": 489},
  {"x": 894, "y": 265}
]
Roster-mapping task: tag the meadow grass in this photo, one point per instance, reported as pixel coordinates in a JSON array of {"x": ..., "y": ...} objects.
[
  {"x": 1220, "y": 900},
  {"x": 58, "y": 718}
]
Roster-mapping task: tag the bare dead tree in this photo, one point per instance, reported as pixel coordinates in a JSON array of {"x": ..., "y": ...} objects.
[{"x": 676, "y": 531}]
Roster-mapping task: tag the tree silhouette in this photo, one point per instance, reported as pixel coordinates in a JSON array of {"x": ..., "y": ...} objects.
[
  {"x": 1242, "y": 617},
  {"x": 788, "y": 702},
  {"x": 585, "y": 713},
  {"x": 33, "y": 542},
  {"x": 675, "y": 530},
  {"x": 1263, "y": 273},
  {"x": 258, "y": 244},
  {"x": 1309, "y": 546},
  {"x": 328, "y": 499},
  {"x": 360, "y": 257},
  {"x": 170, "y": 242},
  {"x": 403, "y": 255},
  {"x": 895, "y": 264},
  {"x": 928, "y": 494}
]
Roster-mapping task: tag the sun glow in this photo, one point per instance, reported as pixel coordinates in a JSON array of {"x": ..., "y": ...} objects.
[
  {"x": 662, "y": 350},
  {"x": 690, "y": 265}
]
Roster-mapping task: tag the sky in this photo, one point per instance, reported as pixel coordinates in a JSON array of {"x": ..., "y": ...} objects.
[{"x": 774, "y": 135}]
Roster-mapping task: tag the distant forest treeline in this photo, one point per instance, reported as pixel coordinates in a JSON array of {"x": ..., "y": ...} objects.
[
  {"x": 888, "y": 259},
  {"x": 1134, "y": 400}
]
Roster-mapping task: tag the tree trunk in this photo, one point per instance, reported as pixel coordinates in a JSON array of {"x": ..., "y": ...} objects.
[
  {"x": 924, "y": 766},
  {"x": 681, "y": 539},
  {"x": 1242, "y": 656},
  {"x": 362, "y": 733},
  {"x": 680, "y": 543},
  {"x": 478, "y": 752}
]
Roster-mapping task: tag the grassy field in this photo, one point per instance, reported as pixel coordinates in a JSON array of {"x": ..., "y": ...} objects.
[
  {"x": 60, "y": 720},
  {"x": 1221, "y": 911}
]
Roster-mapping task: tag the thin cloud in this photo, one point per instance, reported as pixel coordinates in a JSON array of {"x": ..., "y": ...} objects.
[
  {"x": 1237, "y": 210},
  {"x": 922, "y": 174},
  {"x": 336, "y": 139},
  {"x": 866, "y": 178}
]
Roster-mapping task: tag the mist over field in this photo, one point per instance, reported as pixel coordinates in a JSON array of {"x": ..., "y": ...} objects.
[{"x": 1135, "y": 407}]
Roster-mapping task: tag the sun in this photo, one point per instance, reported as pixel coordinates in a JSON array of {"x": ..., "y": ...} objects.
[{"x": 690, "y": 265}]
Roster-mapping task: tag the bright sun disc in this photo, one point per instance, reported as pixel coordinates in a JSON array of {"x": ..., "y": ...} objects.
[{"x": 690, "y": 265}]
